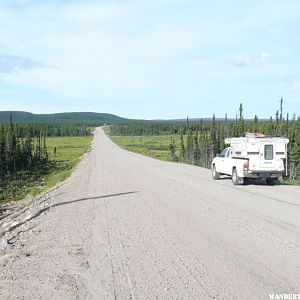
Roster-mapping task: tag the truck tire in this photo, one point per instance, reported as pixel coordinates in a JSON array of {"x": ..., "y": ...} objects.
[
  {"x": 272, "y": 181},
  {"x": 215, "y": 174},
  {"x": 236, "y": 180}
]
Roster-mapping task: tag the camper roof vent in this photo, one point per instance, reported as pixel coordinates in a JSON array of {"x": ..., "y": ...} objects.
[{"x": 254, "y": 134}]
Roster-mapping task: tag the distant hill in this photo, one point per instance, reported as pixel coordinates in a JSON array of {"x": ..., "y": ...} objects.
[{"x": 89, "y": 118}]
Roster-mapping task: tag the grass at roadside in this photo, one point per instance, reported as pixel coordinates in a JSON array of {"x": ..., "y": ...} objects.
[
  {"x": 65, "y": 153},
  {"x": 156, "y": 146},
  {"x": 287, "y": 181}
]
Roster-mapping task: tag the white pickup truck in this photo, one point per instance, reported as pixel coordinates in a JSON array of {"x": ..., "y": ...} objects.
[{"x": 256, "y": 157}]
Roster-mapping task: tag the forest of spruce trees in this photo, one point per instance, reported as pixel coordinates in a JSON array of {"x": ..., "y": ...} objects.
[
  {"x": 24, "y": 154},
  {"x": 201, "y": 140}
]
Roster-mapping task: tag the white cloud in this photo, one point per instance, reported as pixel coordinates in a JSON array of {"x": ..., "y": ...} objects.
[
  {"x": 14, "y": 63},
  {"x": 99, "y": 49},
  {"x": 296, "y": 85},
  {"x": 265, "y": 57},
  {"x": 243, "y": 61}
]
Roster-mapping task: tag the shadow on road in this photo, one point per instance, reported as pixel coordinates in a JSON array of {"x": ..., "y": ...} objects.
[
  {"x": 40, "y": 211},
  {"x": 91, "y": 198}
]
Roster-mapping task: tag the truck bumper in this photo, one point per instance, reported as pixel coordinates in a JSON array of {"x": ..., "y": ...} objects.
[{"x": 262, "y": 174}]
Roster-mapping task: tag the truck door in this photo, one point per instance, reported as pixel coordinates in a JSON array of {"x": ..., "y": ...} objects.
[
  {"x": 222, "y": 156},
  {"x": 228, "y": 162},
  {"x": 267, "y": 156}
]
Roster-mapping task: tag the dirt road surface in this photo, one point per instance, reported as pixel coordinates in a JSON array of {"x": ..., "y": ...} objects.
[{"x": 125, "y": 226}]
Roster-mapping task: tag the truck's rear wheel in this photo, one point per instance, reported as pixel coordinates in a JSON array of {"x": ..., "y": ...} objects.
[
  {"x": 236, "y": 180},
  {"x": 215, "y": 174}
]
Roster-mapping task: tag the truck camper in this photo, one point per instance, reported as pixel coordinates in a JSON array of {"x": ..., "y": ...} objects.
[{"x": 255, "y": 156}]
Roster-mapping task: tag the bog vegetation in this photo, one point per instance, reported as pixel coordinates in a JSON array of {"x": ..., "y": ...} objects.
[
  {"x": 25, "y": 159},
  {"x": 197, "y": 142}
]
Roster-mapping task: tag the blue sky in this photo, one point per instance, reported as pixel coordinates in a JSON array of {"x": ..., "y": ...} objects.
[{"x": 150, "y": 59}]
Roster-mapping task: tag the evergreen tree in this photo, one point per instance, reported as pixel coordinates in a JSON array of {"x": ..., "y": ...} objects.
[
  {"x": 172, "y": 150},
  {"x": 214, "y": 142},
  {"x": 187, "y": 123},
  {"x": 277, "y": 117},
  {"x": 189, "y": 147},
  {"x": 255, "y": 123},
  {"x": 2, "y": 152},
  {"x": 196, "y": 150},
  {"x": 182, "y": 149},
  {"x": 280, "y": 116},
  {"x": 241, "y": 111}
]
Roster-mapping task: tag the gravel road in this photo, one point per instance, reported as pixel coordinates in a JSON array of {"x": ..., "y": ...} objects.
[{"x": 125, "y": 226}]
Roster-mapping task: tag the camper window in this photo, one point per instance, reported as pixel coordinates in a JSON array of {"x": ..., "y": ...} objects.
[{"x": 268, "y": 152}]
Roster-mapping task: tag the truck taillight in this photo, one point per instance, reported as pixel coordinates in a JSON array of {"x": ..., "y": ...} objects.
[{"x": 246, "y": 165}]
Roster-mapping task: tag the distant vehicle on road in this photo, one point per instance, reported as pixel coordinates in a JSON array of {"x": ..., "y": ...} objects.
[{"x": 254, "y": 156}]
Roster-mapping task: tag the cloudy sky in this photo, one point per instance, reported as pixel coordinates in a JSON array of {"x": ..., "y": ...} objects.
[{"x": 150, "y": 59}]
